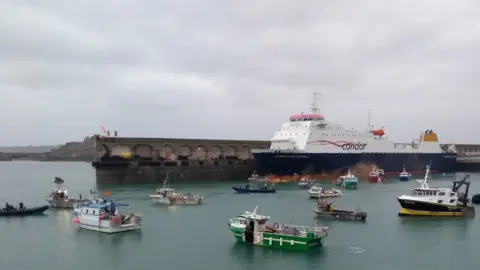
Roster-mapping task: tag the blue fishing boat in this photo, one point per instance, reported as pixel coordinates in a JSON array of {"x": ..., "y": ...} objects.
[
  {"x": 248, "y": 189},
  {"x": 404, "y": 176}
]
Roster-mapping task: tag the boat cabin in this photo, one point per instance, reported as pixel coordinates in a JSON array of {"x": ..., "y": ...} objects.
[
  {"x": 166, "y": 192},
  {"x": 59, "y": 194},
  {"x": 440, "y": 195},
  {"x": 348, "y": 178},
  {"x": 103, "y": 208},
  {"x": 316, "y": 189}
]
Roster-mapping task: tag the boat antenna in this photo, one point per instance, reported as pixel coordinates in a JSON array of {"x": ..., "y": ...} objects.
[
  {"x": 254, "y": 212},
  {"x": 425, "y": 180},
  {"x": 314, "y": 107}
]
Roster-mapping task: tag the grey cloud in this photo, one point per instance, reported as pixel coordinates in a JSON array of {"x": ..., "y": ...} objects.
[{"x": 235, "y": 69}]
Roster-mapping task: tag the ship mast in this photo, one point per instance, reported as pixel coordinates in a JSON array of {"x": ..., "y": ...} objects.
[
  {"x": 368, "y": 121},
  {"x": 314, "y": 107}
]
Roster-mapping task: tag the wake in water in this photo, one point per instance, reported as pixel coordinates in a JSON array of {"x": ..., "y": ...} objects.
[{"x": 355, "y": 250}]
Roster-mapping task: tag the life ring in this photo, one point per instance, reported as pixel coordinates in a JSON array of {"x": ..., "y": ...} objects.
[{"x": 275, "y": 226}]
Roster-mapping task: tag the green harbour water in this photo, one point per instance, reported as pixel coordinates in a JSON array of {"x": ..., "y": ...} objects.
[{"x": 197, "y": 237}]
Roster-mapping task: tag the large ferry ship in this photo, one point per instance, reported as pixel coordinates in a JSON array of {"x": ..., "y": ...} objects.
[{"x": 309, "y": 144}]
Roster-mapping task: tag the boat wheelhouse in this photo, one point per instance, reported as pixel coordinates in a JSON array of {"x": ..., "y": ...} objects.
[{"x": 349, "y": 181}]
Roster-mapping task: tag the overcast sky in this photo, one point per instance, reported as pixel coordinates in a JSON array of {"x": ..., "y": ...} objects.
[{"x": 236, "y": 69}]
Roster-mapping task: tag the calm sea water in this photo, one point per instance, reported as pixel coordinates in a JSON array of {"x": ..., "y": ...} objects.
[{"x": 196, "y": 237}]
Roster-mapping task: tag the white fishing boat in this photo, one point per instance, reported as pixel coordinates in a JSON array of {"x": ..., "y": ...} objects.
[
  {"x": 256, "y": 178},
  {"x": 316, "y": 192},
  {"x": 305, "y": 182},
  {"x": 59, "y": 197},
  {"x": 104, "y": 217},
  {"x": 166, "y": 195}
]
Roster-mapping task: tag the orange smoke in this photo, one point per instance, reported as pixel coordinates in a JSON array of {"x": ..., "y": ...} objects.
[{"x": 360, "y": 170}]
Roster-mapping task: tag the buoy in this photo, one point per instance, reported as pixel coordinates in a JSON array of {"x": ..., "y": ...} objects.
[{"x": 76, "y": 220}]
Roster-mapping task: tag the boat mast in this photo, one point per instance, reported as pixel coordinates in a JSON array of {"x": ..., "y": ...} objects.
[
  {"x": 368, "y": 120},
  {"x": 425, "y": 180}
]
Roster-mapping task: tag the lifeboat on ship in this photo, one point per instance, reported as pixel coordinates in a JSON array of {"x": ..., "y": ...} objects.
[{"x": 378, "y": 132}]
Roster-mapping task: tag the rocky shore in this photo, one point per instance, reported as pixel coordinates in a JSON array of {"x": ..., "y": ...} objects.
[{"x": 71, "y": 151}]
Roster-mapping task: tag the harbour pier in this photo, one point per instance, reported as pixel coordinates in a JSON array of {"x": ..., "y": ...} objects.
[{"x": 121, "y": 160}]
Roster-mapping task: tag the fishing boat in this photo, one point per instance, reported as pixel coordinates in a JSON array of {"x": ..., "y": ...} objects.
[
  {"x": 309, "y": 142},
  {"x": 10, "y": 210},
  {"x": 305, "y": 182},
  {"x": 349, "y": 181},
  {"x": 376, "y": 175},
  {"x": 325, "y": 210},
  {"x": 104, "y": 217},
  {"x": 59, "y": 198},
  {"x": 254, "y": 229},
  {"x": 256, "y": 178},
  {"x": 248, "y": 189},
  {"x": 166, "y": 195},
  {"x": 433, "y": 201},
  {"x": 319, "y": 192},
  {"x": 404, "y": 176}
]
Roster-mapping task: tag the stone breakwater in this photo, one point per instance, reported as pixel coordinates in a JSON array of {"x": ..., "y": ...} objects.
[{"x": 150, "y": 160}]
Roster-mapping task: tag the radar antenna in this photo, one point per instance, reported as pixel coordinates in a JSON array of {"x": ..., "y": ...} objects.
[{"x": 314, "y": 104}]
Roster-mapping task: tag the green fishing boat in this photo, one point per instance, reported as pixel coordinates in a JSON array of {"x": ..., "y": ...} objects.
[
  {"x": 349, "y": 181},
  {"x": 251, "y": 228}
]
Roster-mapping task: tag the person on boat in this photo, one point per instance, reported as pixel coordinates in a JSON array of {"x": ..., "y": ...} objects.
[
  {"x": 329, "y": 207},
  {"x": 8, "y": 207}
]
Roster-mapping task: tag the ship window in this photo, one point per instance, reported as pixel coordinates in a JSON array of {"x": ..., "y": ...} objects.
[
  {"x": 440, "y": 201},
  {"x": 86, "y": 211},
  {"x": 452, "y": 194},
  {"x": 441, "y": 193},
  {"x": 93, "y": 212},
  {"x": 452, "y": 200}
]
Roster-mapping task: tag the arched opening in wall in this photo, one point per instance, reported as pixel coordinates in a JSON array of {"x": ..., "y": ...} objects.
[
  {"x": 144, "y": 151},
  {"x": 216, "y": 152},
  {"x": 167, "y": 151},
  {"x": 201, "y": 152},
  {"x": 104, "y": 151},
  {"x": 185, "y": 152},
  {"x": 231, "y": 152},
  {"x": 121, "y": 150},
  {"x": 245, "y": 153}
]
